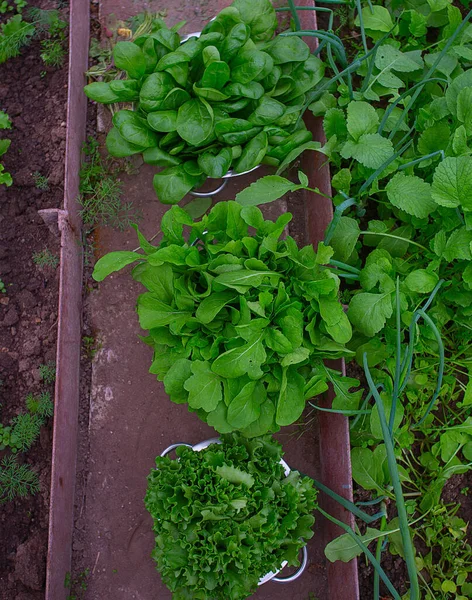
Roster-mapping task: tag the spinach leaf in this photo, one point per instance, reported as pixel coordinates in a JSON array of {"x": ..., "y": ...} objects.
[{"x": 195, "y": 121}]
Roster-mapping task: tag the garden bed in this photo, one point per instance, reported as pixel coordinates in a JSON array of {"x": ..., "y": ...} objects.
[{"x": 28, "y": 308}]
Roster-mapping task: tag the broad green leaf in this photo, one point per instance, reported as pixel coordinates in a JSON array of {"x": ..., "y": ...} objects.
[
  {"x": 458, "y": 245},
  {"x": 212, "y": 305},
  {"x": 344, "y": 548},
  {"x": 218, "y": 419},
  {"x": 411, "y": 194},
  {"x": 388, "y": 57},
  {"x": 154, "y": 313},
  {"x": 130, "y": 58},
  {"x": 242, "y": 360},
  {"x": 100, "y": 91},
  {"x": 264, "y": 423},
  {"x": 459, "y": 83},
  {"x": 204, "y": 387},
  {"x": 157, "y": 279},
  {"x": 335, "y": 319},
  {"x": 375, "y": 426},
  {"x": 297, "y": 356},
  {"x": 341, "y": 180},
  {"x": 334, "y": 123},
  {"x": 264, "y": 190},
  {"x": 119, "y": 147},
  {"x": 459, "y": 142},
  {"x": 134, "y": 129},
  {"x": 5, "y": 122},
  {"x": 464, "y": 108},
  {"x": 195, "y": 121},
  {"x": 114, "y": 261},
  {"x": 367, "y": 469},
  {"x": 243, "y": 279},
  {"x": 4, "y": 145},
  {"x": 361, "y": 118},
  {"x": 421, "y": 281},
  {"x": 446, "y": 65},
  {"x": 276, "y": 341},
  {"x": 261, "y": 18},
  {"x": 246, "y": 406},
  {"x": 344, "y": 238},
  {"x": 175, "y": 379},
  {"x": 369, "y": 312},
  {"x": 376, "y": 19},
  {"x": 371, "y": 149},
  {"x": 215, "y": 165},
  {"x": 452, "y": 182},
  {"x": 434, "y": 138},
  {"x": 174, "y": 183},
  {"x": 291, "y": 401}
]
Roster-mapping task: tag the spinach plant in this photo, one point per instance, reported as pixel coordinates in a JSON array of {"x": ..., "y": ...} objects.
[
  {"x": 226, "y": 516},
  {"x": 229, "y": 99},
  {"x": 240, "y": 322}
]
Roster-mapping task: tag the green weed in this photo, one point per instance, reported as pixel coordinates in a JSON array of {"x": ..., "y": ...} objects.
[
  {"x": 16, "y": 480},
  {"x": 41, "y": 181},
  {"x": 45, "y": 259}
]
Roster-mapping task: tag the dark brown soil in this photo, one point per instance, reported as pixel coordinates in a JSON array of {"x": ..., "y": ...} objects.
[{"x": 34, "y": 96}]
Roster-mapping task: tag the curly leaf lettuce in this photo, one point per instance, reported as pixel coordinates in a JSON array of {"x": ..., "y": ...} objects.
[{"x": 226, "y": 516}]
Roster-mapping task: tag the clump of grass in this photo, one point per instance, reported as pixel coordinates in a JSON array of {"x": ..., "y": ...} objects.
[
  {"x": 16, "y": 480},
  {"x": 101, "y": 192},
  {"x": 47, "y": 372},
  {"x": 45, "y": 259},
  {"x": 41, "y": 181}
]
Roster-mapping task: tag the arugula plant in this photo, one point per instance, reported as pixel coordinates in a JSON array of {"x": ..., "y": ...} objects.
[
  {"x": 240, "y": 322},
  {"x": 230, "y": 99},
  {"x": 5, "y": 123},
  {"x": 224, "y": 494}
]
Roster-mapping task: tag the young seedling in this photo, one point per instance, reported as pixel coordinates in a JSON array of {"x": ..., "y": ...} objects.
[
  {"x": 16, "y": 480},
  {"x": 41, "y": 181},
  {"x": 45, "y": 259},
  {"x": 48, "y": 372}
]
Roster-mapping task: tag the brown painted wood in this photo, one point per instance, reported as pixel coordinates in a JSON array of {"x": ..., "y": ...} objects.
[{"x": 64, "y": 453}]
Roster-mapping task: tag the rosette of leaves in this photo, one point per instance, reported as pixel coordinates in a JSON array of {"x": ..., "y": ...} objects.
[
  {"x": 229, "y": 99},
  {"x": 226, "y": 516},
  {"x": 239, "y": 321}
]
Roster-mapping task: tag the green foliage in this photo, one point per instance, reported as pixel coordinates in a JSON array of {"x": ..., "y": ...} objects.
[
  {"x": 41, "y": 406},
  {"x": 101, "y": 192},
  {"x": 48, "y": 372},
  {"x": 17, "y": 32},
  {"x": 53, "y": 49},
  {"x": 45, "y": 259},
  {"x": 17, "y": 6},
  {"x": 25, "y": 430},
  {"x": 231, "y": 99},
  {"x": 5, "y": 123},
  {"x": 14, "y": 34},
  {"x": 407, "y": 218},
  {"x": 3, "y": 289},
  {"x": 225, "y": 493},
  {"x": 239, "y": 322},
  {"x": 16, "y": 480},
  {"x": 41, "y": 181}
]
